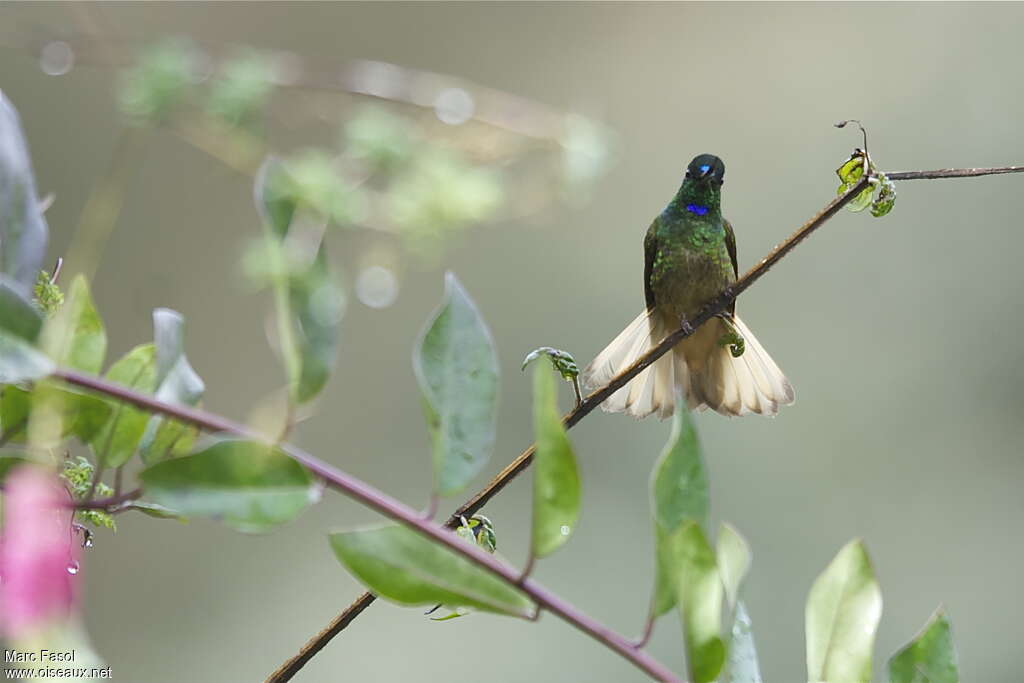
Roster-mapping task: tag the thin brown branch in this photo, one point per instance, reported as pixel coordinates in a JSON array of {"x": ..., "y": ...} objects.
[
  {"x": 514, "y": 468},
  {"x": 390, "y": 507}
]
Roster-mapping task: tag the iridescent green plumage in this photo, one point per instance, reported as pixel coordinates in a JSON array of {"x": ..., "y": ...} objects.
[{"x": 690, "y": 257}]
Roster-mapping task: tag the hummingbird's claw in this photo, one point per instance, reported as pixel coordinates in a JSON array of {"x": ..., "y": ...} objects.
[{"x": 686, "y": 327}]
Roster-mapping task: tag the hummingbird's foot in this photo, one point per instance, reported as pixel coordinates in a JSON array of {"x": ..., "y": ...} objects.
[{"x": 685, "y": 326}]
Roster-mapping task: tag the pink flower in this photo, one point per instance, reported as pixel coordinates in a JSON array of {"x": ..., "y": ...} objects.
[{"x": 37, "y": 549}]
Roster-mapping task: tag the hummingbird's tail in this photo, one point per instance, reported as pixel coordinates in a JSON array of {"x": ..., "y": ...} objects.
[{"x": 699, "y": 368}]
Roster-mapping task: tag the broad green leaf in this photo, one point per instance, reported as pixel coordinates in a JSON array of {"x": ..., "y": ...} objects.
[
  {"x": 80, "y": 413},
  {"x": 679, "y": 492},
  {"x": 23, "y": 231},
  {"x": 176, "y": 382},
  {"x": 742, "y": 666},
  {"x": 18, "y": 317},
  {"x": 75, "y": 337},
  {"x": 843, "y": 610},
  {"x": 120, "y": 436},
  {"x": 251, "y": 486},
  {"x": 404, "y": 567},
  {"x": 556, "y": 480},
  {"x": 457, "y": 370},
  {"x": 690, "y": 568},
  {"x": 929, "y": 657},
  {"x": 733, "y": 556}
]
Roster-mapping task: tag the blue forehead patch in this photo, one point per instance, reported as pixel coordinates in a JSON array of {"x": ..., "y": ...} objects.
[
  {"x": 704, "y": 168},
  {"x": 697, "y": 209}
]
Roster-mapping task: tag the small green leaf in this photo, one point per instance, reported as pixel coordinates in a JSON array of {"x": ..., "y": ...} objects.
[
  {"x": 456, "y": 367},
  {"x": 318, "y": 304},
  {"x": 120, "y": 436},
  {"x": 23, "y": 231},
  {"x": 75, "y": 336},
  {"x": 679, "y": 492},
  {"x": 274, "y": 194},
  {"x": 562, "y": 361},
  {"x": 81, "y": 414},
  {"x": 733, "y": 555},
  {"x": 241, "y": 89},
  {"x": 886, "y": 198},
  {"x": 176, "y": 383},
  {"x": 404, "y": 567},
  {"x": 384, "y": 140},
  {"x": 47, "y": 295},
  {"x": 929, "y": 657},
  {"x": 251, "y": 486},
  {"x": 691, "y": 570},
  {"x": 556, "y": 480},
  {"x": 843, "y": 610},
  {"x": 742, "y": 666}
]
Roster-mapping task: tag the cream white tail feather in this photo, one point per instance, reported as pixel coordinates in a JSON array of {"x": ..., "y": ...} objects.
[{"x": 699, "y": 368}]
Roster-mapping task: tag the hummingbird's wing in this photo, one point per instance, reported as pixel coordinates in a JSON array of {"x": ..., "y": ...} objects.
[
  {"x": 730, "y": 244},
  {"x": 650, "y": 251}
]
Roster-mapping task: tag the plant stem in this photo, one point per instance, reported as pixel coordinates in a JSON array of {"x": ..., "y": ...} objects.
[{"x": 389, "y": 507}]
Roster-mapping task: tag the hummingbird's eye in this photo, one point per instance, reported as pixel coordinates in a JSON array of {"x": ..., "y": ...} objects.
[{"x": 688, "y": 174}]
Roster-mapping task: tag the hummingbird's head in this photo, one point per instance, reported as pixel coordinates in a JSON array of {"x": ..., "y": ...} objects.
[{"x": 706, "y": 168}]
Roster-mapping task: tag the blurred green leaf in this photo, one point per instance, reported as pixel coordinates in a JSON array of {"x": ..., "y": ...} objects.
[
  {"x": 384, "y": 140},
  {"x": 241, "y": 89},
  {"x": 563, "y": 361},
  {"x": 733, "y": 555},
  {"x": 929, "y": 658},
  {"x": 78, "y": 473},
  {"x": 20, "y": 361},
  {"x": 18, "y": 317},
  {"x": 80, "y": 414},
  {"x": 319, "y": 185},
  {"x": 404, "y": 567},
  {"x": 176, "y": 383},
  {"x": 679, "y": 492},
  {"x": 456, "y": 367},
  {"x": 690, "y": 568},
  {"x": 153, "y": 89},
  {"x": 23, "y": 231},
  {"x": 556, "y": 480},
  {"x": 115, "y": 443},
  {"x": 742, "y": 666},
  {"x": 156, "y": 511},
  {"x": 251, "y": 486},
  {"x": 75, "y": 336},
  {"x": 309, "y": 300},
  {"x": 843, "y": 610},
  {"x": 8, "y": 463}
]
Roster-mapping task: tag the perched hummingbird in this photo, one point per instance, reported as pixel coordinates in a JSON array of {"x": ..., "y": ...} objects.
[{"x": 690, "y": 257}]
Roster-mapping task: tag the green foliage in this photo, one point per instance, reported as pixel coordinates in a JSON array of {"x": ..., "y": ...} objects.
[
  {"x": 241, "y": 89},
  {"x": 18, "y": 316},
  {"x": 23, "y": 231},
  {"x": 679, "y": 493},
  {"x": 563, "y": 361},
  {"x": 438, "y": 194},
  {"x": 402, "y": 566},
  {"x": 309, "y": 301},
  {"x": 690, "y": 565},
  {"x": 176, "y": 383},
  {"x": 75, "y": 336},
  {"x": 742, "y": 666},
  {"x": 251, "y": 486},
  {"x": 556, "y": 479},
  {"x": 153, "y": 89},
  {"x": 850, "y": 173},
  {"x": 384, "y": 141},
  {"x": 734, "y": 341},
  {"x": 929, "y": 657},
  {"x": 72, "y": 412},
  {"x": 733, "y": 559},
  {"x": 46, "y": 295},
  {"x": 478, "y": 530},
  {"x": 19, "y": 361},
  {"x": 842, "y": 614},
  {"x": 115, "y": 443},
  {"x": 318, "y": 184},
  {"x": 78, "y": 473},
  {"x": 456, "y": 367}
]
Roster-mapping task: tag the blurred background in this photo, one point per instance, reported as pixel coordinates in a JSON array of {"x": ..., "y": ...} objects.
[{"x": 902, "y": 336}]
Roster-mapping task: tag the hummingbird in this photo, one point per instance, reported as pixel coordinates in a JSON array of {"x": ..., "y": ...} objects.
[{"x": 689, "y": 258}]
